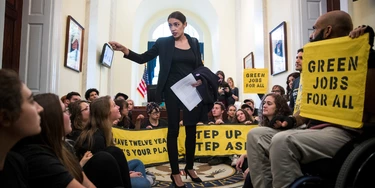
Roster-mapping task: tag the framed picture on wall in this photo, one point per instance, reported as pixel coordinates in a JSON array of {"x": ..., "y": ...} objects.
[
  {"x": 278, "y": 49},
  {"x": 248, "y": 61},
  {"x": 73, "y": 45}
]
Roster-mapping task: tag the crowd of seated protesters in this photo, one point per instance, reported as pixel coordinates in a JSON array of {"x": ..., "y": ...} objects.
[
  {"x": 97, "y": 136},
  {"x": 131, "y": 173},
  {"x": 92, "y": 122},
  {"x": 152, "y": 121},
  {"x": 51, "y": 163}
]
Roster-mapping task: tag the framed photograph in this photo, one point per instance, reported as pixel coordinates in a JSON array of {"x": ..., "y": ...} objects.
[
  {"x": 248, "y": 61},
  {"x": 73, "y": 45},
  {"x": 278, "y": 49}
]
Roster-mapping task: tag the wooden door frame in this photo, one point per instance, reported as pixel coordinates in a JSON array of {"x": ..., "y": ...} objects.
[{"x": 333, "y": 5}]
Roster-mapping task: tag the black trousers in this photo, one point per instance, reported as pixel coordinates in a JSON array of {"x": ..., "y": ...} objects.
[
  {"x": 119, "y": 156},
  {"x": 103, "y": 171},
  {"x": 190, "y": 118}
]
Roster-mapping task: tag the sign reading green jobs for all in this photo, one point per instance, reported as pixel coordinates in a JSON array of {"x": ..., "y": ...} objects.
[
  {"x": 255, "y": 80},
  {"x": 334, "y": 80}
]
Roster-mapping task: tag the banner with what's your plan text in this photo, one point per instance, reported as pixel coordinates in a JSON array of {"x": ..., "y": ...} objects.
[
  {"x": 334, "y": 80},
  {"x": 150, "y": 146}
]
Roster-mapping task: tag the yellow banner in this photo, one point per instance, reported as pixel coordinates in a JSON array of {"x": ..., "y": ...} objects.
[
  {"x": 214, "y": 140},
  {"x": 150, "y": 146},
  {"x": 334, "y": 80},
  {"x": 255, "y": 80}
]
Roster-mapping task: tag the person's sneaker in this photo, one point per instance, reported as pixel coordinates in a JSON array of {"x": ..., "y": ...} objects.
[
  {"x": 151, "y": 178},
  {"x": 234, "y": 160}
]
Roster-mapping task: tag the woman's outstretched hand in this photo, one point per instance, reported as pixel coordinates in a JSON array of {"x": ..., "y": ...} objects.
[{"x": 119, "y": 47}]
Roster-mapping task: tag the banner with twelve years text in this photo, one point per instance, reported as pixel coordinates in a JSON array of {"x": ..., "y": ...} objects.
[{"x": 150, "y": 146}]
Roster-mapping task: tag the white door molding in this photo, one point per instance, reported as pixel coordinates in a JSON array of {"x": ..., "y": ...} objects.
[{"x": 2, "y": 18}]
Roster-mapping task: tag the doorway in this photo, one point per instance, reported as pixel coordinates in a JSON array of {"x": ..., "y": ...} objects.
[{"x": 12, "y": 34}]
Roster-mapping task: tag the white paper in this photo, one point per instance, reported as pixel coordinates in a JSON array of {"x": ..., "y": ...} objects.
[{"x": 187, "y": 94}]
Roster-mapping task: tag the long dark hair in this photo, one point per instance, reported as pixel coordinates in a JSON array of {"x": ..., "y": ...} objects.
[
  {"x": 76, "y": 114},
  {"x": 52, "y": 135},
  {"x": 248, "y": 117},
  {"x": 295, "y": 75},
  {"x": 282, "y": 108},
  {"x": 124, "y": 120},
  {"x": 10, "y": 95},
  {"x": 177, "y": 15},
  {"x": 99, "y": 120}
]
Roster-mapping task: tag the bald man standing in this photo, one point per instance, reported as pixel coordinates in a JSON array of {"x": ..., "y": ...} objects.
[{"x": 274, "y": 155}]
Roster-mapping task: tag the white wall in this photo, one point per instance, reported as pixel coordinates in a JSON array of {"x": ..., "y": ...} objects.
[
  {"x": 96, "y": 18},
  {"x": 363, "y": 13},
  {"x": 70, "y": 80},
  {"x": 276, "y": 13}
]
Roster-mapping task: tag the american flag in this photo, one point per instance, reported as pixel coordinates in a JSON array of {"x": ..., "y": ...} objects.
[{"x": 142, "y": 86}]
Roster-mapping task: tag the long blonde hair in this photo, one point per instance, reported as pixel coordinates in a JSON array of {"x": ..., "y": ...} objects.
[
  {"x": 100, "y": 110},
  {"x": 231, "y": 79}
]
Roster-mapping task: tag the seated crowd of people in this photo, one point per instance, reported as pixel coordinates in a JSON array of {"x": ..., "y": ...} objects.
[
  {"x": 88, "y": 150},
  {"x": 87, "y": 156}
]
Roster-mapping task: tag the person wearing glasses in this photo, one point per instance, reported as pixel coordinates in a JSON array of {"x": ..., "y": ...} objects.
[
  {"x": 278, "y": 90},
  {"x": 79, "y": 117},
  {"x": 153, "y": 121}
]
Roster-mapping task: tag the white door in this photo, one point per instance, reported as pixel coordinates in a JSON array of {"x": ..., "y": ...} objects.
[
  {"x": 311, "y": 10},
  {"x": 35, "y": 58}
]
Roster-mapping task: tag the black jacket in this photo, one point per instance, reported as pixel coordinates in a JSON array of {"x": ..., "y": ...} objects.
[
  {"x": 164, "y": 48},
  {"x": 208, "y": 88}
]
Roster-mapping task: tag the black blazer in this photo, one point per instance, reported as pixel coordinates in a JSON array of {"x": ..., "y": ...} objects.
[{"x": 164, "y": 48}]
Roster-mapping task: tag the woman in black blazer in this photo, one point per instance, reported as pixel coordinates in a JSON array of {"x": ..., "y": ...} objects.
[{"x": 179, "y": 55}]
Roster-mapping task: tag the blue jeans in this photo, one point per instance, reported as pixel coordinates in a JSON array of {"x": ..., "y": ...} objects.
[{"x": 137, "y": 166}]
